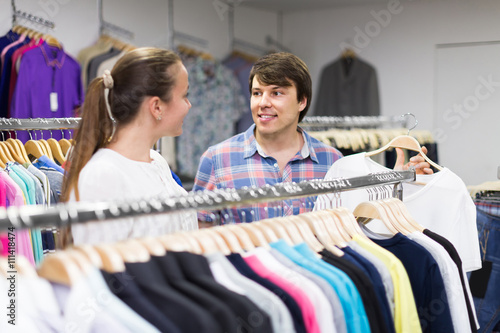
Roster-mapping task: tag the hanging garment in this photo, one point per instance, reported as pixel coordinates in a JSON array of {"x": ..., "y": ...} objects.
[
  {"x": 87, "y": 54},
  {"x": 298, "y": 321},
  {"x": 225, "y": 274},
  {"x": 451, "y": 279},
  {"x": 217, "y": 104},
  {"x": 348, "y": 89},
  {"x": 484, "y": 282},
  {"x": 449, "y": 210},
  {"x": 425, "y": 278},
  {"x": 241, "y": 69},
  {"x": 48, "y": 86},
  {"x": 452, "y": 252},
  {"x": 405, "y": 311}
]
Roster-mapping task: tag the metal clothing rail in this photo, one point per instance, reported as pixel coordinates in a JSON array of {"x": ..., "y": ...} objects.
[
  {"x": 174, "y": 35},
  {"x": 354, "y": 121},
  {"x": 64, "y": 214},
  {"x": 107, "y": 26},
  {"x": 18, "y": 124},
  {"x": 36, "y": 19}
]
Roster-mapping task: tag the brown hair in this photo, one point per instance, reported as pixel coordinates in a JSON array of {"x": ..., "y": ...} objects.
[
  {"x": 281, "y": 68},
  {"x": 139, "y": 73}
]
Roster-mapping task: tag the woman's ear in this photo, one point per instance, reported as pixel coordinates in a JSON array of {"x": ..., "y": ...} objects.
[{"x": 155, "y": 107}]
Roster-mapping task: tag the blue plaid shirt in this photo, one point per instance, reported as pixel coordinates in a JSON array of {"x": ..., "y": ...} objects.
[{"x": 239, "y": 161}]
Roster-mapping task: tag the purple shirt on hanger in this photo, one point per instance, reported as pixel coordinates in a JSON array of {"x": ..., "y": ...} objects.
[{"x": 48, "y": 86}]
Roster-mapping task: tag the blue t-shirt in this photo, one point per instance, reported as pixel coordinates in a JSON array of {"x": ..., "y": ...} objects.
[
  {"x": 354, "y": 311},
  {"x": 426, "y": 282}
]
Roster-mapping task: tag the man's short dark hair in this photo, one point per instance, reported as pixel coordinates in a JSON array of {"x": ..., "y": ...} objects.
[{"x": 281, "y": 68}]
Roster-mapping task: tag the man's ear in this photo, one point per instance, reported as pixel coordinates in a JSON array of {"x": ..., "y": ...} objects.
[{"x": 302, "y": 104}]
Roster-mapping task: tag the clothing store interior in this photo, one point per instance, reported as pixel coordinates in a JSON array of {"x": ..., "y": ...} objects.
[{"x": 214, "y": 231}]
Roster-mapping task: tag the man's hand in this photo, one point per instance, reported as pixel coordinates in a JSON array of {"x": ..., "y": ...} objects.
[{"x": 421, "y": 166}]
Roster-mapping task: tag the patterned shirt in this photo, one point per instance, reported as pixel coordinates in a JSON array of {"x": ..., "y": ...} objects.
[{"x": 240, "y": 161}]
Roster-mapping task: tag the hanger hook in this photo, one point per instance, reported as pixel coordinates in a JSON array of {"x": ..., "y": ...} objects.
[{"x": 414, "y": 117}]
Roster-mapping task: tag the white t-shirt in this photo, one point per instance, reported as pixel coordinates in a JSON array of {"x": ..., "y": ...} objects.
[
  {"x": 109, "y": 176},
  {"x": 443, "y": 205}
]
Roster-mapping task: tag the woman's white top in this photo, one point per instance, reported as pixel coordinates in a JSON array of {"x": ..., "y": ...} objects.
[{"x": 109, "y": 176}]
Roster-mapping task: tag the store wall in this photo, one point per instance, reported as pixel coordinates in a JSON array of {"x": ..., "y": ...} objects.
[
  {"x": 404, "y": 40},
  {"x": 401, "y": 39},
  {"x": 77, "y": 23}
]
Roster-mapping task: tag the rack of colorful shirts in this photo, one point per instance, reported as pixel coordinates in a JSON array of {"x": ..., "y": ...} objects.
[
  {"x": 313, "y": 272},
  {"x": 483, "y": 283},
  {"x": 354, "y": 134},
  {"x": 32, "y": 174},
  {"x": 38, "y": 78}
]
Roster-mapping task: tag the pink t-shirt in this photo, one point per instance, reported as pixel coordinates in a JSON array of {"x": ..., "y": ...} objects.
[
  {"x": 14, "y": 196},
  {"x": 298, "y": 295}
]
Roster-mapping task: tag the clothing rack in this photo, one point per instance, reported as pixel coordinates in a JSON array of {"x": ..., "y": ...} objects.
[
  {"x": 175, "y": 35},
  {"x": 235, "y": 42},
  {"x": 354, "y": 121},
  {"x": 17, "y": 124},
  {"x": 107, "y": 26},
  {"x": 64, "y": 214},
  {"x": 36, "y": 19}
]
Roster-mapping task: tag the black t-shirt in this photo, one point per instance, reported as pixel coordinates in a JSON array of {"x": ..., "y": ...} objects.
[
  {"x": 250, "y": 317},
  {"x": 124, "y": 287},
  {"x": 185, "y": 313},
  {"x": 448, "y": 246},
  {"x": 364, "y": 287}
]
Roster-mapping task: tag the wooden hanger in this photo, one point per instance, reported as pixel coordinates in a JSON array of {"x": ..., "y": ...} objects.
[
  {"x": 255, "y": 234},
  {"x": 193, "y": 243},
  {"x": 4, "y": 264},
  {"x": 3, "y": 157},
  {"x": 311, "y": 228},
  {"x": 173, "y": 242},
  {"x": 291, "y": 230},
  {"x": 132, "y": 251},
  {"x": 7, "y": 156},
  {"x": 65, "y": 144},
  {"x": 112, "y": 261},
  {"x": 60, "y": 268},
  {"x": 278, "y": 229},
  {"x": 22, "y": 150},
  {"x": 153, "y": 245},
  {"x": 24, "y": 267},
  {"x": 333, "y": 227},
  {"x": 56, "y": 150},
  {"x": 207, "y": 243},
  {"x": 405, "y": 214},
  {"x": 33, "y": 148},
  {"x": 80, "y": 260},
  {"x": 12, "y": 147},
  {"x": 373, "y": 210},
  {"x": 242, "y": 237},
  {"x": 52, "y": 41},
  {"x": 397, "y": 219},
  {"x": 268, "y": 233},
  {"x": 91, "y": 254},
  {"x": 229, "y": 237},
  {"x": 219, "y": 241},
  {"x": 348, "y": 53},
  {"x": 46, "y": 148},
  {"x": 405, "y": 142},
  {"x": 348, "y": 221}
]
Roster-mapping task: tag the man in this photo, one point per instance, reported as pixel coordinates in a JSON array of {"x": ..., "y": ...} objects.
[{"x": 274, "y": 149}]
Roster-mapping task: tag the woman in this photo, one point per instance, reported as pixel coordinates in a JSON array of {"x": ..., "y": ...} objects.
[{"x": 124, "y": 114}]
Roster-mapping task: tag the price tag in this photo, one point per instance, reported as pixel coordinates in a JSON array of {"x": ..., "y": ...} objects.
[{"x": 54, "y": 105}]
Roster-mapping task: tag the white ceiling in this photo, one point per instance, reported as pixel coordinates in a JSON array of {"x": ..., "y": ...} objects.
[{"x": 299, "y": 5}]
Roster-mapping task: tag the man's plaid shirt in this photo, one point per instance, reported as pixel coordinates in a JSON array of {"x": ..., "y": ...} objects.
[{"x": 239, "y": 161}]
